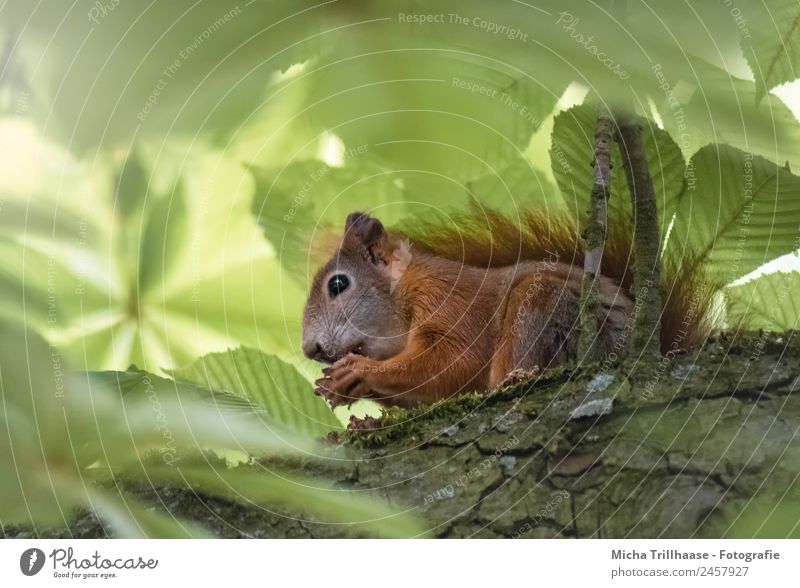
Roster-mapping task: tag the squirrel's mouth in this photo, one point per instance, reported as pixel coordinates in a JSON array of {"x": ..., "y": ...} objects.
[{"x": 331, "y": 359}]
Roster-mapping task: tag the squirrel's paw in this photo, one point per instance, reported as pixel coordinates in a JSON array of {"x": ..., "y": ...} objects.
[
  {"x": 324, "y": 387},
  {"x": 518, "y": 376},
  {"x": 349, "y": 378}
]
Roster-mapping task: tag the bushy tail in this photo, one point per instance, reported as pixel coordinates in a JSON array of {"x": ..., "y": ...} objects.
[{"x": 487, "y": 238}]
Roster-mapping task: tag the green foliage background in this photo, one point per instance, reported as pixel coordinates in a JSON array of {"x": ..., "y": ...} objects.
[{"x": 168, "y": 169}]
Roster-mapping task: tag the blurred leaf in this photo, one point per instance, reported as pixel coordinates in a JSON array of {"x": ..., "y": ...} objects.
[
  {"x": 737, "y": 212},
  {"x": 572, "y": 154},
  {"x": 275, "y": 386},
  {"x": 62, "y": 434},
  {"x": 517, "y": 187},
  {"x": 35, "y": 457},
  {"x": 772, "y": 42},
  {"x": 431, "y": 111},
  {"x": 132, "y": 187},
  {"x": 163, "y": 238},
  {"x": 764, "y": 517},
  {"x": 768, "y": 302},
  {"x": 129, "y": 518},
  {"x": 108, "y": 73},
  {"x": 317, "y": 501},
  {"x": 184, "y": 272},
  {"x": 179, "y": 419}
]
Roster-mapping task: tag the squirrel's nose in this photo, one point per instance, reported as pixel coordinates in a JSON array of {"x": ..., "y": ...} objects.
[{"x": 313, "y": 350}]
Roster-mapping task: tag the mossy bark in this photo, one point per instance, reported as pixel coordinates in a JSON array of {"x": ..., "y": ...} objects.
[{"x": 708, "y": 447}]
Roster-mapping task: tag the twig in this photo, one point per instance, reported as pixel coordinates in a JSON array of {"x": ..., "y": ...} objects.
[
  {"x": 645, "y": 334},
  {"x": 595, "y": 234}
]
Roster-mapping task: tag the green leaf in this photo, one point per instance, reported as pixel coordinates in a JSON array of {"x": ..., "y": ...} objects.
[
  {"x": 768, "y": 302},
  {"x": 738, "y": 211},
  {"x": 182, "y": 274},
  {"x": 771, "y": 42},
  {"x": 275, "y": 386},
  {"x": 573, "y": 152}
]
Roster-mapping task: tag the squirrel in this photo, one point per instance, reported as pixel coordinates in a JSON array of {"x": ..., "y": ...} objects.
[{"x": 413, "y": 318}]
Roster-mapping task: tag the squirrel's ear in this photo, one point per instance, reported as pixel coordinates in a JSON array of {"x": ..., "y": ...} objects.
[{"x": 366, "y": 230}]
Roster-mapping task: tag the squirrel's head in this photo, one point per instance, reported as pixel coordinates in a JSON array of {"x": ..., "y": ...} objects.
[{"x": 350, "y": 307}]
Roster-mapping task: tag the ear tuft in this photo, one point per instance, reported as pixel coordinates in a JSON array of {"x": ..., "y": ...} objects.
[{"x": 366, "y": 229}]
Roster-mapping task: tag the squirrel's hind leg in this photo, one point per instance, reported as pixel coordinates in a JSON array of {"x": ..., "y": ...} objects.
[{"x": 539, "y": 329}]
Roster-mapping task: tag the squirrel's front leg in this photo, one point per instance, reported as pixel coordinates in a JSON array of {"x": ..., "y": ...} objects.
[{"x": 419, "y": 374}]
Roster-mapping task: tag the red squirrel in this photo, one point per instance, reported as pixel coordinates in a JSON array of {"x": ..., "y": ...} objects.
[{"x": 413, "y": 319}]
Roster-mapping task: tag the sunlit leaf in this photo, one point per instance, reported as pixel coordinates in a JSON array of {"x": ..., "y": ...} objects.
[
  {"x": 165, "y": 67},
  {"x": 713, "y": 105},
  {"x": 737, "y": 212},
  {"x": 768, "y": 302}
]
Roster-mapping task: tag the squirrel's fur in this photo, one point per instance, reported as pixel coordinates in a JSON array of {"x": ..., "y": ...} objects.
[{"x": 433, "y": 311}]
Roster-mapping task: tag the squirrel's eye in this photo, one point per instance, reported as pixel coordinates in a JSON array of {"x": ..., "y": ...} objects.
[{"x": 338, "y": 284}]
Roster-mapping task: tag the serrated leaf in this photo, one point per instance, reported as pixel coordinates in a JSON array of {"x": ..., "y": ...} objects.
[
  {"x": 274, "y": 385},
  {"x": 573, "y": 152},
  {"x": 738, "y": 212},
  {"x": 768, "y": 302},
  {"x": 771, "y": 42}
]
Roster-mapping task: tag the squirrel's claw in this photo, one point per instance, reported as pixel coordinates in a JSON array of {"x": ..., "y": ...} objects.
[
  {"x": 324, "y": 388},
  {"x": 344, "y": 382},
  {"x": 349, "y": 376}
]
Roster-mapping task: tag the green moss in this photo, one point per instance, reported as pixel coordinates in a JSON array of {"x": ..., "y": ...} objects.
[{"x": 397, "y": 424}]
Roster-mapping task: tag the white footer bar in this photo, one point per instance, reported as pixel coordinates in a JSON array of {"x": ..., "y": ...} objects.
[{"x": 386, "y": 563}]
